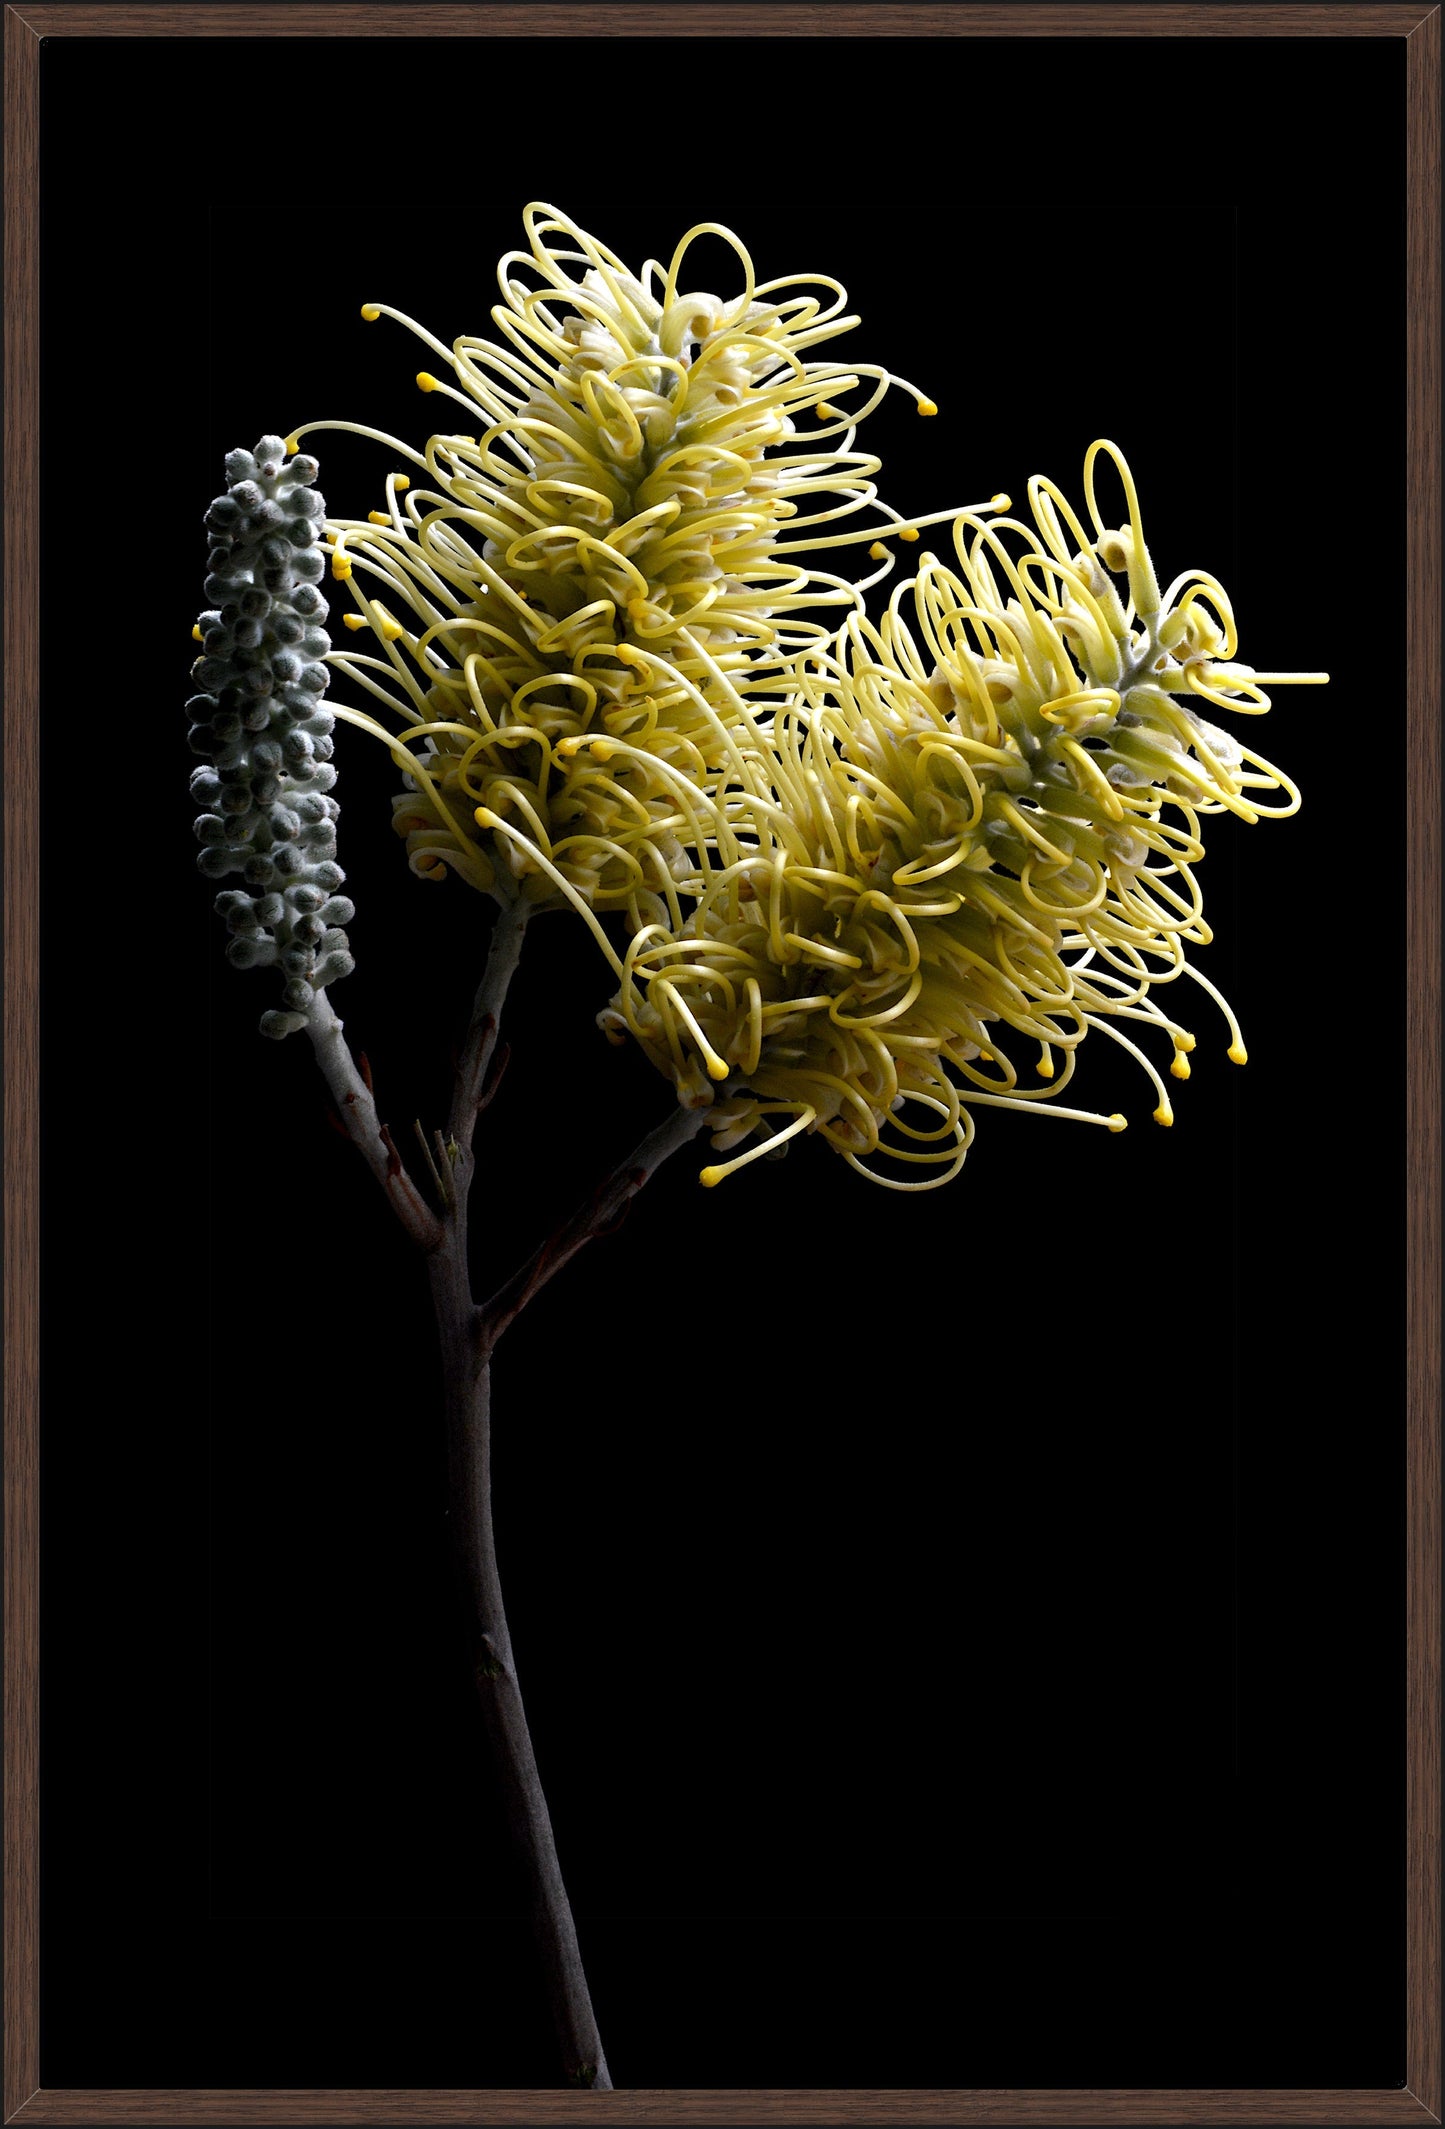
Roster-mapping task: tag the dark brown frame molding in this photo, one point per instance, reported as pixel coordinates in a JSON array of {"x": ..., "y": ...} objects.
[{"x": 1419, "y": 27}]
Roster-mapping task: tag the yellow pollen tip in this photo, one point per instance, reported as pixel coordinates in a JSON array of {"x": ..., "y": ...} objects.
[
  {"x": 1184, "y": 1042},
  {"x": 425, "y": 379},
  {"x": 1163, "y": 1115},
  {"x": 401, "y": 480},
  {"x": 1045, "y": 1068},
  {"x": 603, "y": 750},
  {"x": 827, "y": 413},
  {"x": 1000, "y": 501},
  {"x": 390, "y": 629},
  {"x": 716, "y": 1069},
  {"x": 377, "y": 517},
  {"x": 1180, "y": 1068},
  {"x": 879, "y": 553},
  {"x": 196, "y": 636},
  {"x": 630, "y": 656},
  {"x": 908, "y": 532},
  {"x": 485, "y": 818},
  {"x": 927, "y": 406},
  {"x": 1118, "y": 1122},
  {"x": 353, "y": 621},
  {"x": 1238, "y": 1053},
  {"x": 709, "y": 1176},
  {"x": 341, "y": 569},
  {"x": 370, "y": 313},
  {"x": 293, "y": 444}
]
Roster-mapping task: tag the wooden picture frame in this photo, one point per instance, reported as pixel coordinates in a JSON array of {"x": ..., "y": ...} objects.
[{"x": 1417, "y": 29}]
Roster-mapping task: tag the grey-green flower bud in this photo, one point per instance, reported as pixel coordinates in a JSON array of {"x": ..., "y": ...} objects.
[
  {"x": 238, "y": 910},
  {"x": 245, "y": 951},
  {"x": 277, "y": 1024}
]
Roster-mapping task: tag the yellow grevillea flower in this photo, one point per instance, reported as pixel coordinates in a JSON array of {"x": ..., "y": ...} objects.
[
  {"x": 981, "y": 830},
  {"x": 641, "y": 482}
]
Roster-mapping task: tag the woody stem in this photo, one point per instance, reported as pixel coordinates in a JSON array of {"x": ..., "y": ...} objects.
[{"x": 466, "y": 1372}]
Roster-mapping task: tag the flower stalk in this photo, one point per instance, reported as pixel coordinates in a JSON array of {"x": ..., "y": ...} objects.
[
  {"x": 356, "y": 1108},
  {"x": 467, "y": 1399},
  {"x": 467, "y": 1337},
  {"x": 597, "y": 1216}
]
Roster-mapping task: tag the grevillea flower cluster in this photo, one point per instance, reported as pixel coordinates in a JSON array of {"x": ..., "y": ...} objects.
[
  {"x": 980, "y": 835},
  {"x": 263, "y": 735},
  {"x": 633, "y": 511},
  {"x": 874, "y": 875}
]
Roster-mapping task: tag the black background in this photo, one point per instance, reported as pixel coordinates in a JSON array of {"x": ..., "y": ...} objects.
[{"x": 962, "y": 1633}]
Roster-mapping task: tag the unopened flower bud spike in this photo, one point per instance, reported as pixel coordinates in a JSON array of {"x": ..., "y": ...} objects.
[{"x": 262, "y": 725}]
